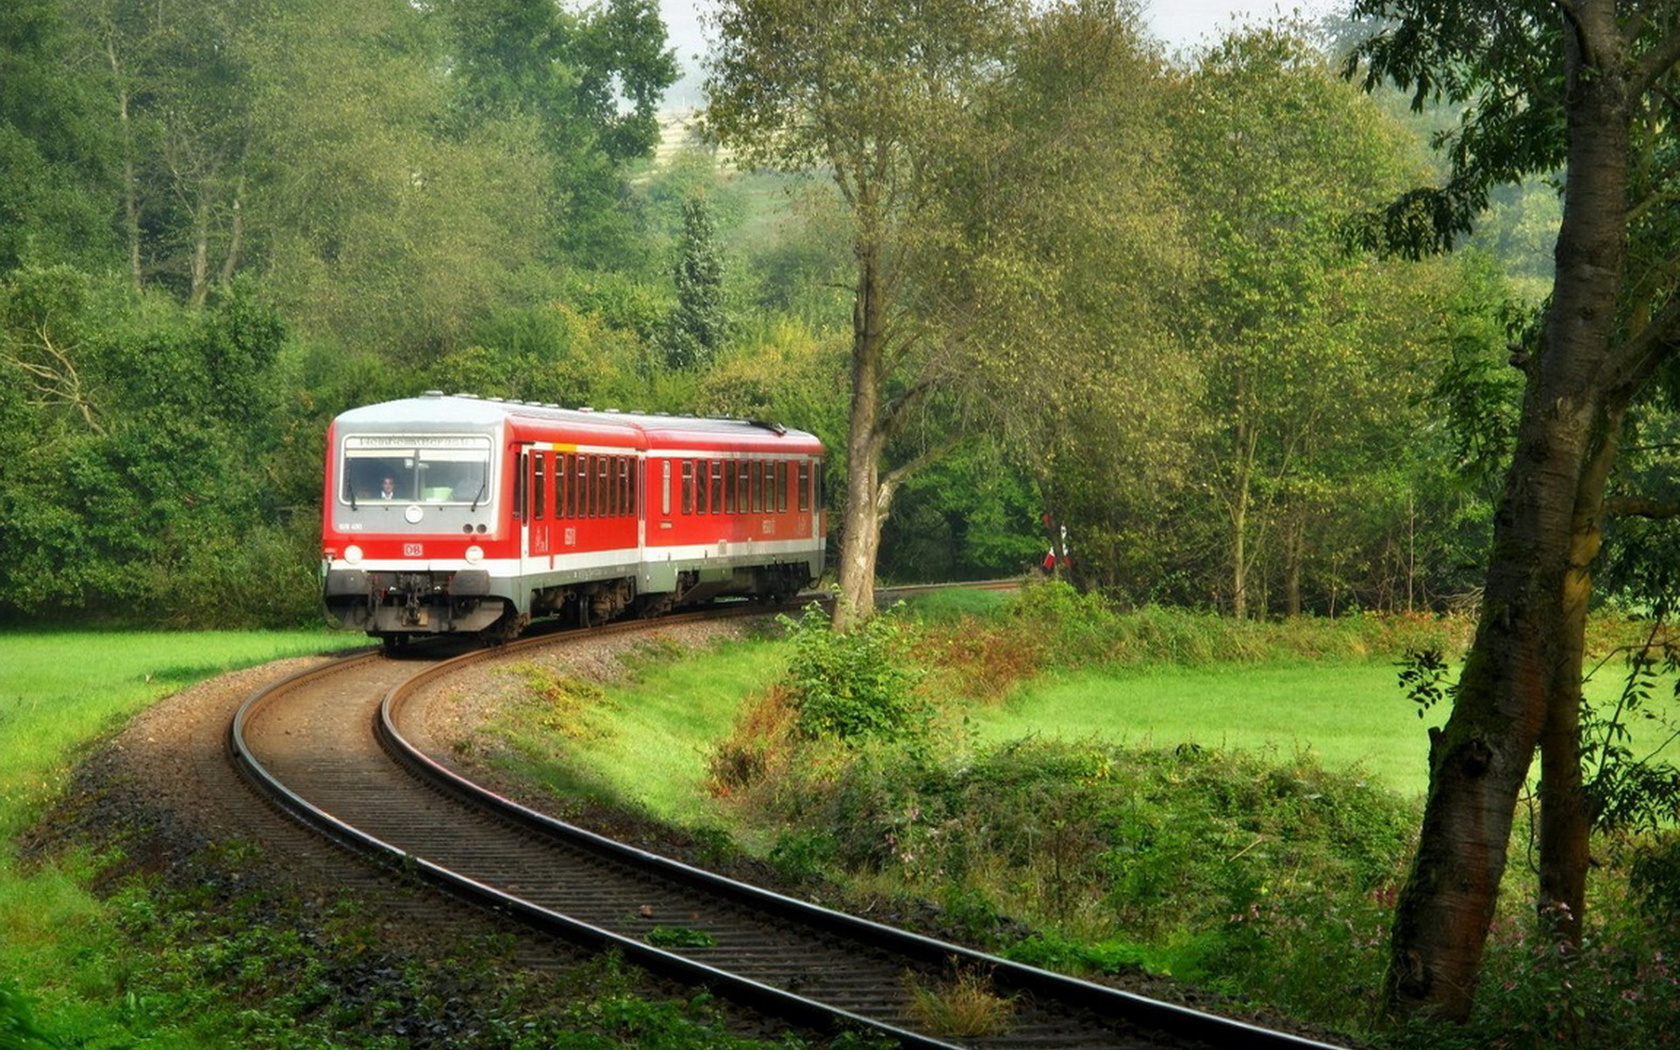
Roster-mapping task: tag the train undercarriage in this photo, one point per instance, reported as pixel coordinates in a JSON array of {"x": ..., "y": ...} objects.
[{"x": 399, "y": 606}]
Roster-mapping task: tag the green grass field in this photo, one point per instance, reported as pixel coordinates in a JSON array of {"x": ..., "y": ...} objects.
[
  {"x": 58, "y": 691},
  {"x": 1344, "y": 713},
  {"x": 59, "y": 694},
  {"x": 646, "y": 744}
]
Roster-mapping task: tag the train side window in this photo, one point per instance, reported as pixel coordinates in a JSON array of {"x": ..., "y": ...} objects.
[
  {"x": 539, "y": 485},
  {"x": 804, "y": 487},
  {"x": 755, "y": 482},
  {"x": 615, "y": 505},
  {"x": 781, "y": 468},
  {"x": 665, "y": 487},
  {"x": 688, "y": 486},
  {"x": 729, "y": 486},
  {"x": 560, "y": 485},
  {"x": 602, "y": 493},
  {"x": 717, "y": 486},
  {"x": 743, "y": 486},
  {"x": 627, "y": 483},
  {"x": 702, "y": 474}
]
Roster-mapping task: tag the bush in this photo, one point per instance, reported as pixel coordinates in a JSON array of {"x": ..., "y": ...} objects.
[
  {"x": 1269, "y": 878},
  {"x": 853, "y": 686}
]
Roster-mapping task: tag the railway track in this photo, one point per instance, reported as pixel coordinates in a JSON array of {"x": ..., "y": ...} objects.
[{"x": 331, "y": 747}]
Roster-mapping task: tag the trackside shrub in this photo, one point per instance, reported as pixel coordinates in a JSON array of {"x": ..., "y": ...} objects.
[
  {"x": 1269, "y": 877},
  {"x": 853, "y": 686}
]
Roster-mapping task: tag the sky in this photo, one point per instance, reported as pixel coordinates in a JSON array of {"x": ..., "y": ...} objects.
[{"x": 1180, "y": 25}]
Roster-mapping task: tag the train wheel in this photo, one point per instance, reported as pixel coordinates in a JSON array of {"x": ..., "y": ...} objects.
[{"x": 504, "y": 630}]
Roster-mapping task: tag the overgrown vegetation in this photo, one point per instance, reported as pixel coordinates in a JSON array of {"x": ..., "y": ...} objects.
[{"x": 1267, "y": 878}]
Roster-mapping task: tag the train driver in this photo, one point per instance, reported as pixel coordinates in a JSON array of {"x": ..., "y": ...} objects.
[{"x": 388, "y": 489}]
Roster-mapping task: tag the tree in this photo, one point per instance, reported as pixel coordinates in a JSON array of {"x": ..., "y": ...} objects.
[
  {"x": 1585, "y": 87},
  {"x": 373, "y": 220},
  {"x": 697, "y": 326},
  {"x": 1278, "y": 151},
  {"x": 1063, "y": 253},
  {"x": 873, "y": 92},
  {"x": 590, "y": 79},
  {"x": 177, "y": 87},
  {"x": 54, "y": 153}
]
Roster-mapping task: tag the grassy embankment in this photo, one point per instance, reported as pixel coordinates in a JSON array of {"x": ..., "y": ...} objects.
[
  {"x": 199, "y": 954},
  {"x": 1227, "y": 803}
]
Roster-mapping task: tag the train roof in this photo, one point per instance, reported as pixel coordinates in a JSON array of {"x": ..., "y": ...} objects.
[{"x": 436, "y": 409}]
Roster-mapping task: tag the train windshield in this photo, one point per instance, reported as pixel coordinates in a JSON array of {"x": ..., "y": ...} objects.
[{"x": 433, "y": 468}]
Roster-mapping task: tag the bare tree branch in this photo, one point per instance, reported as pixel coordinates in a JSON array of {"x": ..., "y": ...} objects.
[{"x": 1641, "y": 507}]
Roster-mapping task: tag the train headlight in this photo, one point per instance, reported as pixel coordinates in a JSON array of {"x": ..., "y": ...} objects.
[
  {"x": 353, "y": 554},
  {"x": 475, "y": 554}
]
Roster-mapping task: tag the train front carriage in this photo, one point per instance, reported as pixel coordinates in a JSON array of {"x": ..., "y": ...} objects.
[{"x": 416, "y": 533}]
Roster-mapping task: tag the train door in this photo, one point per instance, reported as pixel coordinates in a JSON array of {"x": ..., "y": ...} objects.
[{"x": 522, "y": 504}]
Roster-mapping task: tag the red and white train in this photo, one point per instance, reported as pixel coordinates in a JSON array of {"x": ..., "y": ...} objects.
[{"x": 466, "y": 515}]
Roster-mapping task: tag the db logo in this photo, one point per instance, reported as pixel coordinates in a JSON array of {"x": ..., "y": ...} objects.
[{"x": 412, "y": 550}]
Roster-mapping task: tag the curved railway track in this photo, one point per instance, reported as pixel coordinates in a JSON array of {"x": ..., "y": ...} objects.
[{"x": 329, "y": 746}]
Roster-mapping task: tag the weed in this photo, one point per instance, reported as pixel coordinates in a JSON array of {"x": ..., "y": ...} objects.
[
  {"x": 680, "y": 937},
  {"x": 563, "y": 705},
  {"x": 964, "y": 1005},
  {"x": 759, "y": 743}
]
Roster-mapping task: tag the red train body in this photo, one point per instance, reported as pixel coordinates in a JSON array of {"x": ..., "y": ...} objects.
[{"x": 466, "y": 515}]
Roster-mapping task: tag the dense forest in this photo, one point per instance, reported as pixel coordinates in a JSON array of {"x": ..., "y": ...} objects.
[{"x": 1140, "y": 312}]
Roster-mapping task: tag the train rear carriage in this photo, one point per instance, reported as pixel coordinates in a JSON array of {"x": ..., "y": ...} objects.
[
  {"x": 457, "y": 515},
  {"x": 737, "y": 510}
]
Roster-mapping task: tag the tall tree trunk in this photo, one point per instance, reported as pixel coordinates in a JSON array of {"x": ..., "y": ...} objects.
[
  {"x": 1238, "y": 505},
  {"x": 866, "y": 500},
  {"x": 1521, "y": 681},
  {"x": 130, "y": 180},
  {"x": 236, "y": 229},
  {"x": 199, "y": 265},
  {"x": 1294, "y": 558}
]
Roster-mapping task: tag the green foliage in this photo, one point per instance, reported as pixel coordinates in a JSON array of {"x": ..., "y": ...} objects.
[
  {"x": 1627, "y": 791},
  {"x": 1421, "y": 673},
  {"x": 1072, "y": 629},
  {"x": 697, "y": 327},
  {"x": 53, "y": 153},
  {"x": 18, "y": 1028},
  {"x": 1619, "y": 989},
  {"x": 854, "y": 686},
  {"x": 1654, "y": 877},
  {"x": 680, "y": 937},
  {"x": 969, "y": 516},
  {"x": 1209, "y": 865}
]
